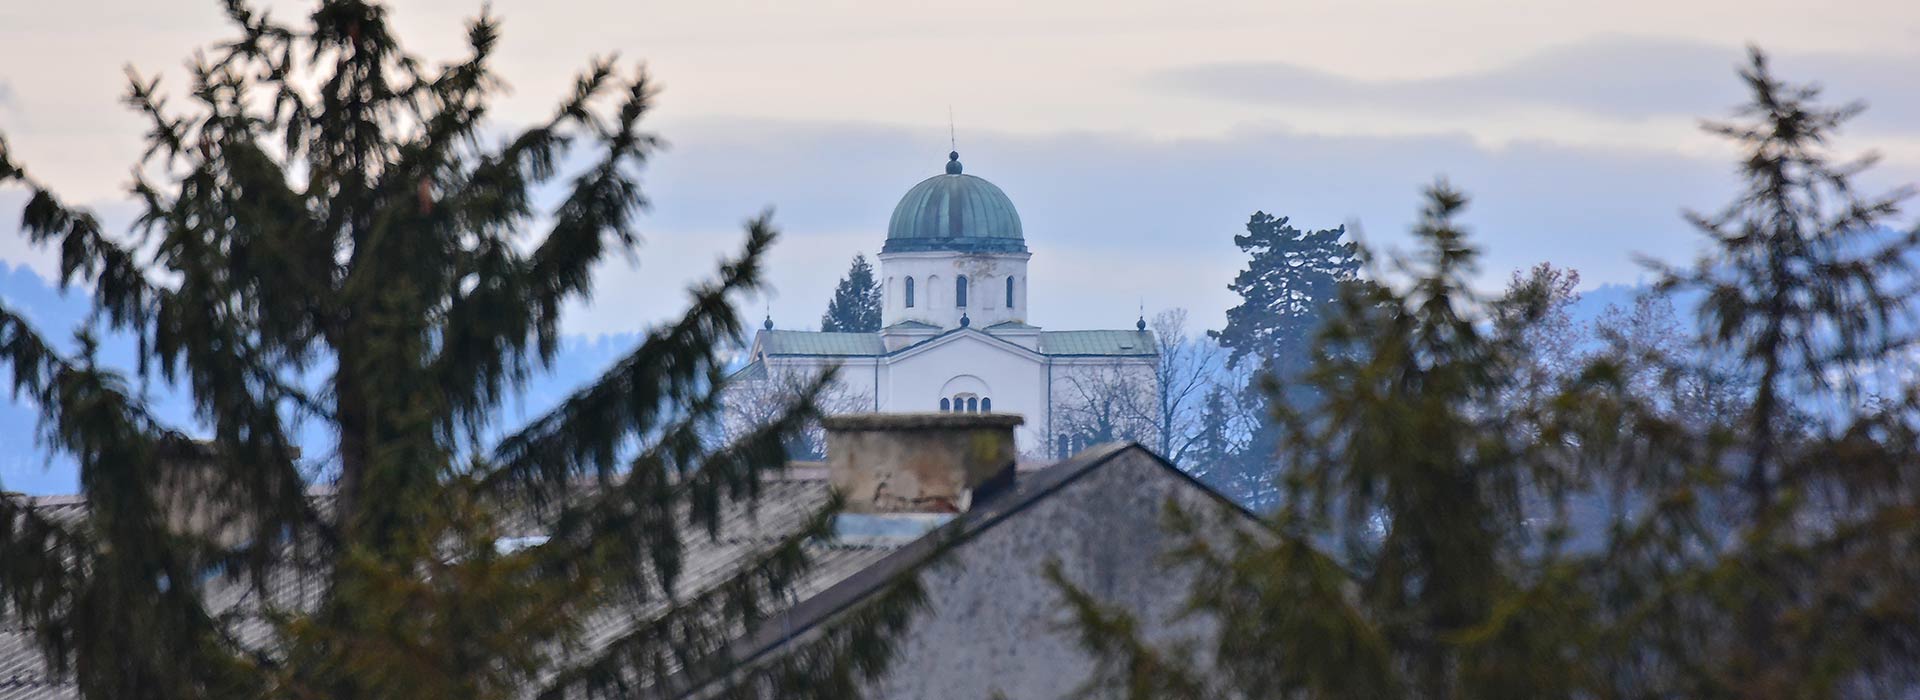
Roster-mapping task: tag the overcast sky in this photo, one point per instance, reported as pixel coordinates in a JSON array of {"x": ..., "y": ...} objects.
[{"x": 1134, "y": 138}]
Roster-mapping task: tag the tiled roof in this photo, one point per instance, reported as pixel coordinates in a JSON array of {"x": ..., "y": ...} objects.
[
  {"x": 1012, "y": 326},
  {"x": 821, "y": 343},
  {"x": 787, "y": 501},
  {"x": 1133, "y": 343}
]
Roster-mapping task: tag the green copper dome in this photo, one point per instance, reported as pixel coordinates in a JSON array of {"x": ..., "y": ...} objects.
[{"x": 955, "y": 212}]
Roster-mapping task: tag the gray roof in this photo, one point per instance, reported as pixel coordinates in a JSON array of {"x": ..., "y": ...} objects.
[
  {"x": 844, "y": 573},
  {"x": 1058, "y": 343},
  {"x": 993, "y": 504},
  {"x": 787, "y": 501},
  {"x": 955, "y": 212}
]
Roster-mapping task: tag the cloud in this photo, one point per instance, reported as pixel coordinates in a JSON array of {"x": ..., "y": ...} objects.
[
  {"x": 1115, "y": 220},
  {"x": 1626, "y": 78},
  {"x": 6, "y": 95}
]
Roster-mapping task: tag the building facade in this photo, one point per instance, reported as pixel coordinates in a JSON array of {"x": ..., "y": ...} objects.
[{"x": 955, "y": 336}]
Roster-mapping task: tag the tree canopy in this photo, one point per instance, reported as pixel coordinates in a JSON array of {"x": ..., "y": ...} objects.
[
  {"x": 333, "y": 232},
  {"x": 1760, "y": 544},
  {"x": 1290, "y": 279},
  {"x": 855, "y": 307}
]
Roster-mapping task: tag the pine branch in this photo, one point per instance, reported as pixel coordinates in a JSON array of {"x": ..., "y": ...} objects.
[{"x": 583, "y": 434}]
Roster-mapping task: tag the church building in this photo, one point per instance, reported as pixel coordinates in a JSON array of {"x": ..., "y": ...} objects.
[{"x": 955, "y": 335}]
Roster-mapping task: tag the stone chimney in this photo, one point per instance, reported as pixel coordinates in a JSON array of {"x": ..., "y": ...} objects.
[{"x": 917, "y": 462}]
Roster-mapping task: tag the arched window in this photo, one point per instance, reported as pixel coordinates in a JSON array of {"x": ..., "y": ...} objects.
[
  {"x": 986, "y": 405},
  {"x": 945, "y": 405},
  {"x": 960, "y": 292},
  {"x": 1009, "y": 291},
  {"x": 973, "y": 405},
  {"x": 909, "y": 292}
]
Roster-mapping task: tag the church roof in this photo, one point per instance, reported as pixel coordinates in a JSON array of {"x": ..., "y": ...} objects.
[
  {"x": 955, "y": 212},
  {"x": 753, "y": 372},
  {"x": 1097, "y": 343},
  {"x": 821, "y": 343},
  {"x": 1058, "y": 343}
]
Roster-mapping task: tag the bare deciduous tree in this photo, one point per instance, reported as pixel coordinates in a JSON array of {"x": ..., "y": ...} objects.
[
  {"x": 1104, "y": 403},
  {"x": 1187, "y": 369},
  {"x": 752, "y": 403}
]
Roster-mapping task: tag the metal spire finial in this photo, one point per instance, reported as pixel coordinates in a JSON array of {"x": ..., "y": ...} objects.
[{"x": 953, "y": 157}]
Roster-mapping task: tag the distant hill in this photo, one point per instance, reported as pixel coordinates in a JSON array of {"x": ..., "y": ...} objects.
[{"x": 25, "y": 467}]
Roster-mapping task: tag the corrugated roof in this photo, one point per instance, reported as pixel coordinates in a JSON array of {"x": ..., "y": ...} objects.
[
  {"x": 821, "y": 343},
  {"x": 1125, "y": 343}
]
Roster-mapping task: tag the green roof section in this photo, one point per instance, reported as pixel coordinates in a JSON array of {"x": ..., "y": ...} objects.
[
  {"x": 821, "y": 343},
  {"x": 1130, "y": 343},
  {"x": 1072, "y": 343},
  {"x": 754, "y": 371},
  {"x": 916, "y": 325},
  {"x": 955, "y": 212}
]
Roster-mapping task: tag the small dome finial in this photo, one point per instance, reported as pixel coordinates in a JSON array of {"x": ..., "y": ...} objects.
[
  {"x": 964, "y": 320},
  {"x": 769, "y": 322},
  {"x": 953, "y": 163}
]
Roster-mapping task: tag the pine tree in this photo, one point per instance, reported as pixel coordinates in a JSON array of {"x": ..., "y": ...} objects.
[
  {"x": 1391, "y": 545},
  {"x": 1290, "y": 279},
  {"x": 856, "y": 301},
  {"x": 333, "y": 234},
  {"x": 1211, "y": 445},
  {"x": 1808, "y": 584}
]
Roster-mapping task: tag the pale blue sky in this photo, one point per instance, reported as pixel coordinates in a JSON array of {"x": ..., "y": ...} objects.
[{"x": 1134, "y": 137}]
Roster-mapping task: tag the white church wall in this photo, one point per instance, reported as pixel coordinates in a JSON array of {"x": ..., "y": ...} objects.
[
  {"x": 1014, "y": 380},
  {"x": 935, "y": 275}
]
